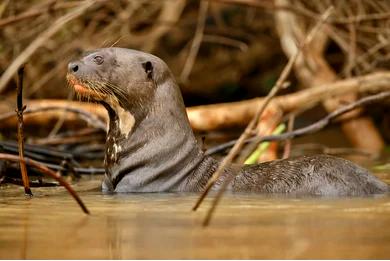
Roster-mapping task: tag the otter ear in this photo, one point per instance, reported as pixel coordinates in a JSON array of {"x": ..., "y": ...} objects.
[{"x": 148, "y": 67}]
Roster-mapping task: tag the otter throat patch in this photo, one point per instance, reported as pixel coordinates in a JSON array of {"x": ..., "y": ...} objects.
[{"x": 126, "y": 120}]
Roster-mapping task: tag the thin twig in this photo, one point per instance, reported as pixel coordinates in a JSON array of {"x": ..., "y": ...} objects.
[
  {"x": 36, "y": 12},
  {"x": 336, "y": 151},
  {"x": 204, "y": 4},
  {"x": 61, "y": 119},
  {"x": 287, "y": 145},
  {"x": 33, "y": 184},
  {"x": 49, "y": 173},
  {"x": 351, "y": 59},
  {"x": 19, "y": 112},
  {"x": 279, "y": 84},
  {"x": 90, "y": 118},
  {"x": 65, "y": 140},
  {"x": 270, "y": 5},
  {"x": 225, "y": 41}
]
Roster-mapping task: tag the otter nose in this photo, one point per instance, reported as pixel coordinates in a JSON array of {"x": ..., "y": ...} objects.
[{"x": 73, "y": 67}]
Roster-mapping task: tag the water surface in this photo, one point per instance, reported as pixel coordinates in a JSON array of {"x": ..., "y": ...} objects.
[{"x": 51, "y": 225}]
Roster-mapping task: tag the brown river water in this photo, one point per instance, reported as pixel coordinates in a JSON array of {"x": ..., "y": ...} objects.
[{"x": 52, "y": 226}]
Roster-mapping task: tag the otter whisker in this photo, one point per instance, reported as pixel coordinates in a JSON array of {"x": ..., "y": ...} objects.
[
  {"x": 117, "y": 90},
  {"x": 99, "y": 88}
]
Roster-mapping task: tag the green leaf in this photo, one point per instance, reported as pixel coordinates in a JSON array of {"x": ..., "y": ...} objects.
[{"x": 262, "y": 147}]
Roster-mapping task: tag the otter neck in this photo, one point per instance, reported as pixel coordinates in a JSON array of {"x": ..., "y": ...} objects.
[{"x": 154, "y": 153}]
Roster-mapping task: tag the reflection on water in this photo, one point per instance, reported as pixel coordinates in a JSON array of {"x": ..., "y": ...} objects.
[{"x": 162, "y": 226}]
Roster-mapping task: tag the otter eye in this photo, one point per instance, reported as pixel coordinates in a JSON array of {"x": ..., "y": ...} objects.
[{"x": 98, "y": 59}]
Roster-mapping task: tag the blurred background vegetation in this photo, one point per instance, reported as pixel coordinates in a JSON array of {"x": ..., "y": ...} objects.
[{"x": 219, "y": 50}]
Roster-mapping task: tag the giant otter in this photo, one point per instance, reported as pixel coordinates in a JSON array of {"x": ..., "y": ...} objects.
[{"x": 151, "y": 147}]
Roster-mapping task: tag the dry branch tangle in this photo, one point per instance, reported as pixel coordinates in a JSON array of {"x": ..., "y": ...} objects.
[
  {"x": 40, "y": 40},
  {"x": 217, "y": 116},
  {"x": 313, "y": 69}
]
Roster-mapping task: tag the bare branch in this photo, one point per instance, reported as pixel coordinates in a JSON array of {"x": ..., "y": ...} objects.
[
  {"x": 19, "y": 112},
  {"x": 45, "y": 170}
]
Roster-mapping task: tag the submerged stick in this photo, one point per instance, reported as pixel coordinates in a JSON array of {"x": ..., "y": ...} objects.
[
  {"x": 48, "y": 172},
  {"x": 19, "y": 112}
]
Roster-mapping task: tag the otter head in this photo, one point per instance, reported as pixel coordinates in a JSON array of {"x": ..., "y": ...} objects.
[
  {"x": 125, "y": 81},
  {"x": 115, "y": 75}
]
